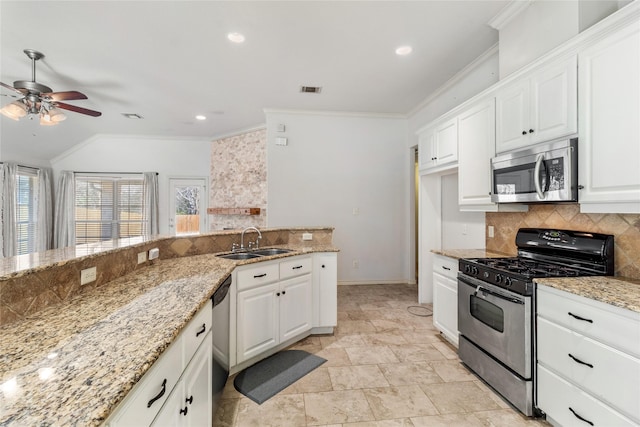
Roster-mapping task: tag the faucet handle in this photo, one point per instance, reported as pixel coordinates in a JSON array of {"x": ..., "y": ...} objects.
[
  {"x": 249, "y": 245},
  {"x": 234, "y": 247},
  {"x": 257, "y": 243}
]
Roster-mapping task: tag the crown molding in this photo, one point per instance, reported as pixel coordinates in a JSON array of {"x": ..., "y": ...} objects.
[
  {"x": 510, "y": 11},
  {"x": 239, "y": 132},
  {"x": 336, "y": 113}
]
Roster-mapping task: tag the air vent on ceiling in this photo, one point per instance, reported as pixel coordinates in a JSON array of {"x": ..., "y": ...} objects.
[
  {"x": 310, "y": 89},
  {"x": 132, "y": 116}
]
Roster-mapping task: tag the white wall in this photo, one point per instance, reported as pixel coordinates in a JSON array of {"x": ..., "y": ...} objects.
[
  {"x": 171, "y": 158},
  {"x": 334, "y": 164},
  {"x": 460, "y": 230}
]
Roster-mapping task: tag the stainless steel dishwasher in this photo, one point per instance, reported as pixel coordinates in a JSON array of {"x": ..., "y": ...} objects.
[{"x": 220, "y": 332}]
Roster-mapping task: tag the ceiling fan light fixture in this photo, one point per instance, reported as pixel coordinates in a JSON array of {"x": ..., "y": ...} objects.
[
  {"x": 56, "y": 115},
  {"x": 45, "y": 120},
  {"x": 16, "y": 110}
]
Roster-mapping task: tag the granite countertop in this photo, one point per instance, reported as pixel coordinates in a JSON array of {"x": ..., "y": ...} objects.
[
  {"x": 618, "y": 291},
  {"x": 71, "y": 364},
  {"x": 469, "y": 253}
]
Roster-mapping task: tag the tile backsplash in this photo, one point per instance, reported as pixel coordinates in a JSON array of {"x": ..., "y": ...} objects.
[{"x": 624, "y": 227}]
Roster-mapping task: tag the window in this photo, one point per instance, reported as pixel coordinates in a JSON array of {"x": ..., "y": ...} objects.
[
  {"x": 26, "y": 210},
  {"x": 109, "y": 207}
]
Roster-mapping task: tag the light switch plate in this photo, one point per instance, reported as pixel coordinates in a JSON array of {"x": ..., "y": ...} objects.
[
  {"x": 281, "y": 140},
  {"x": 154, "y": 253}
]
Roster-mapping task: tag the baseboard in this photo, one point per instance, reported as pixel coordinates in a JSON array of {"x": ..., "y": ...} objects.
[{"x": 375, "y": 282}]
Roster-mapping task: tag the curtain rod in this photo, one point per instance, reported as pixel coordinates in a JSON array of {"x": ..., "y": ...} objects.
[{"x": 113, "y": 173}]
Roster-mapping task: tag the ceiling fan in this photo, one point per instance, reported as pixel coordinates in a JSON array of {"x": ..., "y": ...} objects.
[{"x": 38, "y": 99}]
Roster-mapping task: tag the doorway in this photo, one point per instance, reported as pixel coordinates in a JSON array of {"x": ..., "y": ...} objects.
[{"x": 187, "y": 206}]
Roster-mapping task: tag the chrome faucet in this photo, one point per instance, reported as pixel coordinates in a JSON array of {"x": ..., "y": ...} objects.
[{"x": 242, "y": 237}]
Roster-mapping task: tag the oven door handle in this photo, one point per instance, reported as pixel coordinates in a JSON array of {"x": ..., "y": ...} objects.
[
  {"x": 497, "y": 295},
  {"x": 536, "y": 176}
]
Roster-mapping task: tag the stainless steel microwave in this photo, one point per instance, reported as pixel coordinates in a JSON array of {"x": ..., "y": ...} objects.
[{"x": 546, "y": 172}]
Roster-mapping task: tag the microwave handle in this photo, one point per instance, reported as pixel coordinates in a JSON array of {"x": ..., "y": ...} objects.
[{"x": 536, "y": 175}]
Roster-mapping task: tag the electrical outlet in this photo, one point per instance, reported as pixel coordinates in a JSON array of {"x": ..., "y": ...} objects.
[
  {"x": 88, "y": 275},
  {"x": 154, "y": 253},
  {"x": 142, "y": 257},
  {"x": 307, "y": 236},
  {"x": 356, "y": 264},
  {"x": 491, "y": 231}
]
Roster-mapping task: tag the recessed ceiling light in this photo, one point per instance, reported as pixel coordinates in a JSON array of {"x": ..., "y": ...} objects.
[
  {"x": 404, "y": 50},
  {"x": 235, "y": 37},
  {"x": 132, "y": 116},
  {"x": 201, "y": 117}
]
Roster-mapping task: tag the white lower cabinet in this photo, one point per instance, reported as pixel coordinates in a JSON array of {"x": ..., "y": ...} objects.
[
  {"x": 144, "y": 402},
  {"x": 445, "y": 297},
  {"x": 269, "y": 314},
  {"x": 325, "y": 291},
  {"x": 586, "y": 371},
  {"x": 191, "y": 402}
]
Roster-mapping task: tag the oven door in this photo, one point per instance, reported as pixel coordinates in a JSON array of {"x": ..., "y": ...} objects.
[{"x": 498, "y": 321}]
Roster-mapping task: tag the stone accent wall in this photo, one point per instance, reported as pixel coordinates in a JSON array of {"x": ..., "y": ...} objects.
[
  {"x": 624, "y": 227},
  {"x": 239, "y": 179}
]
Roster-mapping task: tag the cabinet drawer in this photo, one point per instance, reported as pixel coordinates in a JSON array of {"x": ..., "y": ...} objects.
[
  {"x": 196, "y": 331},
  {"x": 155, "y": 385},
  {"x": 446, "y": 266},
  {"x": 612, "y": 377},
  {"x": 295, "y": 267},
  {"x": 558, "y": 398},
  {"x": 611, "y": 325},
  {"x": 260, "y": 274}
]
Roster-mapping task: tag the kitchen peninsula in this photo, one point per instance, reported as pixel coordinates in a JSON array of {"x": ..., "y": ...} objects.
[{"x": 74, "y": 360}]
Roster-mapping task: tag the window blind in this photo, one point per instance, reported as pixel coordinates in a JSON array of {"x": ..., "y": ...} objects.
[
  {"x": 109, "y": 207},
  {"x": 26, "y": 210}
]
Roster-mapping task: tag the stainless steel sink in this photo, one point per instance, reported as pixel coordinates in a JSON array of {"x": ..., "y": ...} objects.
[
  {"x": 271, "y": 251},
  {"x": 238, "y": 256}
]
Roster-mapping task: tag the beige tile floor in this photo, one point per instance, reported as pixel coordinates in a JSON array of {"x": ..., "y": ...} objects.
[{"x": 385, "y": 367}]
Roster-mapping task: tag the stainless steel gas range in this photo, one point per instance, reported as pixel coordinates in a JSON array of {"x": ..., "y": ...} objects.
[{"x": 496, "y": 304}]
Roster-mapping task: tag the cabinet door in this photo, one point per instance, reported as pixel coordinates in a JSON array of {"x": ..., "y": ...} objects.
[
  {"x": 477, "y": 138},
  {"x": 512, "y": 116},
  {"x": 554, "y": 101},
  {"x": 325, "y": 299},
  {"x": 426, "y": 149},
  {"x": 445, "y": 306},
  {"x": 197, "y": 384},
  {"x": 257, "y": 321},
  {"x": 609, "y": 93},
  {"x": 295, "y": 306},
  {"x": 446, "y": 142}
]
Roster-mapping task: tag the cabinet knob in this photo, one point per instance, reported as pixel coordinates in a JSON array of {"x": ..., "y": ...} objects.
[
  {"x": 189, "y": 400},
  {"x": 277, "y": 294},
  {"x": 580, "y": 187},
  {"x": 524, "y": 132},
  {"x": 322, "y": 265},
  {"x": 284, "y": 292},
  {"x": 530, "y": 130},
  {"x": 184, "y": 411}
]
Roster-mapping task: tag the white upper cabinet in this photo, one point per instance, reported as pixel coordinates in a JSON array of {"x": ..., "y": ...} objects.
[
  {"x": 609, "y": 145},
  {"x": 477, "y": 137},
  {"x": 438, "y": 146},
  {"x": 538, "y": 108}
]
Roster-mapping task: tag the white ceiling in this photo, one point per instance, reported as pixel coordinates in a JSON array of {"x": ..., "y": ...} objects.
[{"x": 171, "y": 60}]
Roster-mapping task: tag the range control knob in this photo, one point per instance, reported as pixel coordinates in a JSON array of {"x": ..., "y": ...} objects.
[
  {"x": 474, "y": 270},
  {"x": 498, "y": 278},
  {"x": 507, "y": 281},
  {"x": 467, "y": 269},
  {"x": 485, "y": 274}
]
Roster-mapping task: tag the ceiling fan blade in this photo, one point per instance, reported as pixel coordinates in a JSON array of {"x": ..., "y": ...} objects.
[
  {"x": 78, "y": 109},
  {"x": 11, "y": 88},
  {"x": 65, "y": 96}
]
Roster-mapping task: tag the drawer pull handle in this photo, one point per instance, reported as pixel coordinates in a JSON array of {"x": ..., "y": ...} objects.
[
  {"x": 580, "y": 318},
  {"x": 164, "y": 388},
  {"x": 201, "y": 331},
  {"x": 446, "y": 268},
  {"x": 580, "y": 361},
  {"x": 297, "y": 267},
  {"x": 257, "y": 276},
  {"x": 184, "y": 411},
  {"x": 189, "y": 400},
  {"x": 580, "y": 418}
]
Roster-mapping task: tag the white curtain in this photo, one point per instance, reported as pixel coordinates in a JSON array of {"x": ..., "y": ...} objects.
[
  {"x": 151, "y": 202},
  {"x": 44, "y": 237},
  {"x": 9, "y": 203},
  {"x": 65, "y": 218}
]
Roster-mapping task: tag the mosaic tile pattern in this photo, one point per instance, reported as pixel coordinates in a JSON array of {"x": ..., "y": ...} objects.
[
  {"x": 239, "y": 179},
  {"x": 624, "y": 227}
]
